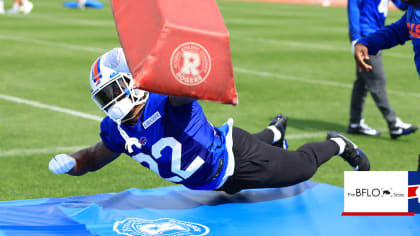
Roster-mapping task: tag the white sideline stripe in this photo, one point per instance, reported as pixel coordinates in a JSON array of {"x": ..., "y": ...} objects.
[
  {"x": 107, "y": 23},
  {"x": 47, "y": 43},
  {"x": 49, "y": 107},
  {"x": 306, "y": 135},
  {"x": 253, "y": 22},
  {"x": 38, "y": 151},
  {"x": 317, "y": 82},
  {"x": 238, "y": 69},
  {"x": 316, "y": 46}
]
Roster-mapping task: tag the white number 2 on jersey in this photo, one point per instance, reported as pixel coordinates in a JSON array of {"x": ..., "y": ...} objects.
[
  {"x": 383, "y": 7},
  {"x": 175, "y": 162}
]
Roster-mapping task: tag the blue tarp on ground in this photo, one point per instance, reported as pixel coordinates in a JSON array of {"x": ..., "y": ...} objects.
[{"x": 308, "y": 208}]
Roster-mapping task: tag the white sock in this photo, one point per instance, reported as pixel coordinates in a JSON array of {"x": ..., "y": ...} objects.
[
  {"x": 277, "y": 134},
  {"x": 1, "y": 5},
  {"x": 341, "y": 144}
]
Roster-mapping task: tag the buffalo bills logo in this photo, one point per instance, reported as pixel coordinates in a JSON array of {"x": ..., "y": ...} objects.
[
  {"x": 143, "y": 141},
  {"x": 113, "y": 74},
  {"x": 165, "y": 226}
]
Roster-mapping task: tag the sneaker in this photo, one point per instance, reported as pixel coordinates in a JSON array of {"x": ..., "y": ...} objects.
[
  {"x": 400, "y": 128},
  {"x": 363, "y": 129},
  {"x": 352, "y": 154},
  {"x": 1, "y": 7},
  {"x": 280, "y": 122},
  {"x": 81, "y": 4},
  {"x": 27, "y": 7},
  {"x": 14, "y": 9}
]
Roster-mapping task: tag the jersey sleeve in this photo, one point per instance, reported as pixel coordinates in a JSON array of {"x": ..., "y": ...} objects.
[
  {"x": 387, "y": 37},
  {"x": 109, "y": 137},
  {"x": 353, "y": 15}
]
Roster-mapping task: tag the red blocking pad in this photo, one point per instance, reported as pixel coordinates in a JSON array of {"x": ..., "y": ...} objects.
[{"x": 177, "y": 47}]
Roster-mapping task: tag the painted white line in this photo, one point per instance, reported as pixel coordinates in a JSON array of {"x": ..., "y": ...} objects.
[
  {"x": 306, "y": 135},
  {"x": 316, "y": 82},
  {"x": 38, "y": 151},
  {"x": 54, "y": 150},
  {"x": 277, "y": 22},
  {"x": 49, "y": 107},
  {"x": 85, "y": 22},
  {"x": 314, "y": 46},
  {"x": 48, "y": 43},
  {"x": 283, "y": 11}
]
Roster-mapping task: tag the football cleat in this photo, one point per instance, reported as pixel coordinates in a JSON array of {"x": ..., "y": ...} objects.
[
  {"x": 27, "y": 7},
  {"x": 352, "y": 154},
  {"x": 280, "y": 122},
  {"x": 2, "y": 7},
  {"x": 400, "y": 128},
  {"x": 363, "y": 129},
  {"x": 14, "y": 10}
]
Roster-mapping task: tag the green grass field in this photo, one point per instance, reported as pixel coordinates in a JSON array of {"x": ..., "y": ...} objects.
[{"x": 293, "y": 59}]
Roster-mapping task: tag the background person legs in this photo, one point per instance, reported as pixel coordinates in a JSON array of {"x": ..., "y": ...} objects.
[
  {"x": 24, "y": 6},
  {"x": 1, "y": 6},
  {"x": 376, "y": 84},
  {"x": 373, "y": 81}
]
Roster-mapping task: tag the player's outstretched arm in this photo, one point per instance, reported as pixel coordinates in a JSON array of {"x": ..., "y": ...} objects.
[
  {"x": 361, "y": 54},
  {"x": 85, "y": 160}
]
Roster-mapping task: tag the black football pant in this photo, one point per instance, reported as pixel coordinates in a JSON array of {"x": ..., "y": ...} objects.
[{"x": 259, "y": 164}]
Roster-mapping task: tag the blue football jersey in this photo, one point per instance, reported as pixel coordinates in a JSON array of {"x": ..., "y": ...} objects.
[
  {"x": 406, "y": 28},
  {"x": 178, "y": 143},
  {"x": 367, "y": 16}
]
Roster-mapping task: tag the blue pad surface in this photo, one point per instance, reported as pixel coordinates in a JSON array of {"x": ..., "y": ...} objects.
[
  {"x": 309, "y": 208},
  {"x": 89, "y": 3}
]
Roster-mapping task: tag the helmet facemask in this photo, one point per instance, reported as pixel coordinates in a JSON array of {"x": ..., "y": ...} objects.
[{"x": 118, "y": 97}]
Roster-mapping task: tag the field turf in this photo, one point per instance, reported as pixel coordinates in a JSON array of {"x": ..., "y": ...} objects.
[{"x": 293, "y": 59}]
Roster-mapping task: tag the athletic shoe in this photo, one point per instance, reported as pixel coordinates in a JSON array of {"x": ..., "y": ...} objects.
[
  {"x": 352, "y": 154},
  {"x": 280, "y": 122},
  {"x": 400, "y": 128},
  {"x": 14, "y": 9},
  {"x": 27, "y": 7},
  {"x": 1, "y": 7},
  {"x": 363, "y": 129}
]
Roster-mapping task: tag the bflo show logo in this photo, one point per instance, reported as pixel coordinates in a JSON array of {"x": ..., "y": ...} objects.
[
  {"x": 382, "y": 193},
  {"x": 374, "y": 192}
]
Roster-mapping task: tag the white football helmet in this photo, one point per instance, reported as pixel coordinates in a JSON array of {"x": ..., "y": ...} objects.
[{"x": 112, "y": 86}]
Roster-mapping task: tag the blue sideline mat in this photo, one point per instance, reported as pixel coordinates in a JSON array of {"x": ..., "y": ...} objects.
[
  {"x": 89, "y": 3},
  {"x": 308, "y": 208}
]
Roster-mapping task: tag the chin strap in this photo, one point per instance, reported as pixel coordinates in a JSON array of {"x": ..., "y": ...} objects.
[{"x": 129, "y": 141}]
